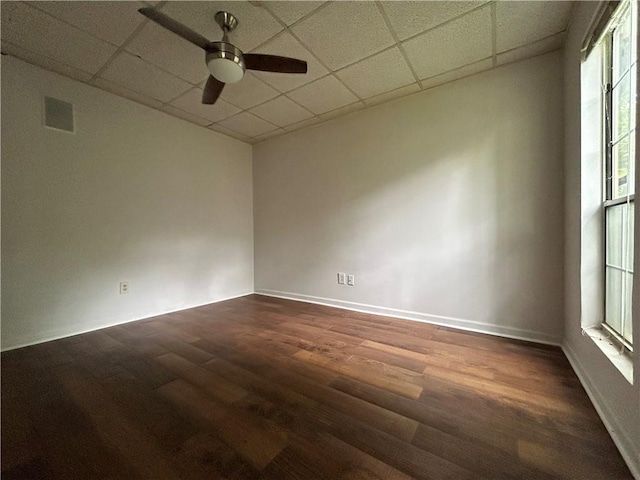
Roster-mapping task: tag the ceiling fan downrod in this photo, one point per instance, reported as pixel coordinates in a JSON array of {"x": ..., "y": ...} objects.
[{"x": 228, "y": 22}]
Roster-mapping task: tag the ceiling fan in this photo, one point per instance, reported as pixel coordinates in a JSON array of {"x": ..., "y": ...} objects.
[{"x": 225, "y": 61}]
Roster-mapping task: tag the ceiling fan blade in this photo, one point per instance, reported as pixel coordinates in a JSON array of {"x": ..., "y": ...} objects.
[
  {"x": 175, "y": 27},
  {"x": 274, "y": 63},
  {"x": 212, "y": 90}
]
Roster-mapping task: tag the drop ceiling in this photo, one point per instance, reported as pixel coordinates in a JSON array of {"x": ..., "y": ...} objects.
[{"x": 359, "y": 53}]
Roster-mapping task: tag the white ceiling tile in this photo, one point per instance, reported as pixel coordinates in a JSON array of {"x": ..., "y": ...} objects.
[
  {"x": 519, "y": 23},
  {"x": 126, "y": 93},
  {"x": 455, "y": 44},
  {"x": 287, "y": 46},
  {"x": 168, "y": 51},
  {"x": 458, "y": 73},
  {"x": 142, "y": 77},
  {"x": 281, "y": 111},
  {"x": 543, "y": 46},
  {"x": 177, "y": 112},
  {"x": 292, "y": 11},
  {"x": 409, "y": 18},
  {"x": 323, "y": 95},
  {"x": 37, "y": 31},
  {"x": 248, "y": 92},
  {"x": 230, "y": 133},
  {"x": 338, "y": 112},
  {"x": 191, "y": 102},
  {"x": 110, "y": 21},
  {"x": 248, "y": 124},
  {"x": 383, "y": 72},
  {"x": 44, "y": 62},
  {"x": 266, "y": 136},
  {"x": 255, "y": 24},
  {"x": 303, "y": 124},
  {"x": 388, "y": 96},
  {"x": 344, "y": 32}
]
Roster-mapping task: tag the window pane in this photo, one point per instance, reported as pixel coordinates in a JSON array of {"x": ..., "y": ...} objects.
[
  {"x": 621, "y": 168},
  {"x": 621, "y": 108},
  {"x": 628, "y": 322},
  {"x": 620, "y": 63},
  {"x": 613, "y": 299},
  {"x": 621, "y": 48},
  {"x": 614, "y": 235},
  {"x": 632, "y": 99},
  {"x": 631, "y": 183},
  {"x": 634, "y": 24},
  {"x": 628, "y": 261}
]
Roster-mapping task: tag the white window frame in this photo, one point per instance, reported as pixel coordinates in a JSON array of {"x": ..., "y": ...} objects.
[{"x": 611, "y": 198}]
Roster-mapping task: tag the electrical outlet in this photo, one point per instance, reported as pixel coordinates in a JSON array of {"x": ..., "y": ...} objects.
[
  {"x": 351, "y": 280},
  {"x": 341, "y": 278},
  {"x": 124, "y": 288}
]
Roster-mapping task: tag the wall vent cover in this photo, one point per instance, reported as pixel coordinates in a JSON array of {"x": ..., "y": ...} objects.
[{"x": 58, "y": 114}]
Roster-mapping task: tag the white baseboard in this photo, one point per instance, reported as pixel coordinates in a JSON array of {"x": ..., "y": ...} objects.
[
  {"x": 469, "y": 325},
  {"x": 49, "y": 338},
  {"x": 630, "y": 452}
]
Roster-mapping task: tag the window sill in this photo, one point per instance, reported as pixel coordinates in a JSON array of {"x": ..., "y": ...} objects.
[{"x": 622, "y": 361}]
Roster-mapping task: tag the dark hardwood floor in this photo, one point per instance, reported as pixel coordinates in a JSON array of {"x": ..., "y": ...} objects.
[{"x": 258, "y": 387}]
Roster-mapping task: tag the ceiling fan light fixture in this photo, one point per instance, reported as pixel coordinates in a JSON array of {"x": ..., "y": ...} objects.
[{"x": 225, "y": 62}]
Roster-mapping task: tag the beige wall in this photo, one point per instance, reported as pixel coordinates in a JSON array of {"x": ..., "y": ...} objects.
[
  {"x": 445, "y": 205},
  {"x": 133, "y": 195},
  {"x": 617, "y": 400}
]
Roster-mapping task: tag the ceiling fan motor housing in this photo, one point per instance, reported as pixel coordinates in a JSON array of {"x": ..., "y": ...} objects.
[{"x": 225, "y": 62}]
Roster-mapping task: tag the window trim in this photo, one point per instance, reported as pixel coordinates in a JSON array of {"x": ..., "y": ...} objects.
[
  {"x": 606, "y": 37},
  {"x": 617, "y": 338},
  {"x": 619, "y": 201}
]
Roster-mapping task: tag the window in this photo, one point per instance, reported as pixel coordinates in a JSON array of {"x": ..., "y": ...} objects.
[{"x": 619, "y": 117}]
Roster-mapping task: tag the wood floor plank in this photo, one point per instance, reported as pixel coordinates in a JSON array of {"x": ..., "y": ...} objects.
[
  {"x": 66, "y": 442},
  {"x": 388, "y": 421},
  {"x": 217, "y": 459},
  {"x": 185, "y": 350},
  {"x": 489, "y": 461},
  {"x": 261, "y": 357},
  {"x": 505, "y": 392},
  {"x": 140, "y": 450},
  {"x": 185, "y": 443},
  {"x": 408, "y": 342},
  {"x": 480, "y": 430},
  {"x": 20, "y": 445},
  {"x": 96, "y": 362},
  {"x": 308, "y": 461},
  {"x": 388, "y": 358},
  {"x": 388, "y": 381},
  {"x": 264, "y": 388},
  {"x": 137, "y": 343},
  {"x": 216, "y": 386},
  {"x": 254, "y": 443},
  {"x": 378, "y": 444},
  {"x": 102, "y": 341},
  {"x": 550, "y": 459}
]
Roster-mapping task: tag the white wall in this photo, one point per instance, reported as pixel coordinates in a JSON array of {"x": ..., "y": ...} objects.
[
  {"x": 133, "y": 195},
  {"x": 617, "y": 401},
  {"x": 446, "y": 205}
]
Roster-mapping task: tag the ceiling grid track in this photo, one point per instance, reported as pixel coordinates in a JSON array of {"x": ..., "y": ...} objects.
[
  {"x": 331, "y": 72},
  {"x": 398, "y": 43},
  {"x": 494, "y": 35}
]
